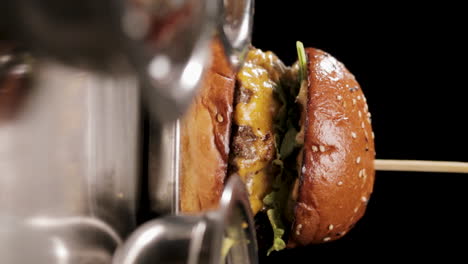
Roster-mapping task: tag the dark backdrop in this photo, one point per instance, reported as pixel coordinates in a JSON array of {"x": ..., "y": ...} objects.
[{"x": 410, "y": 62}]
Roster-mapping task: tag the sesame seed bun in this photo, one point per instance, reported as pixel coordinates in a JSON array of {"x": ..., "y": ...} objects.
[
  {"x": 337, "y": 173},
  {"x": 205, "y": 137}
]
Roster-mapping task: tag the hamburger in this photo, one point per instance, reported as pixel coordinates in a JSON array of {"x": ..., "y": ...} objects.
[{"x": 299, "y": 136}]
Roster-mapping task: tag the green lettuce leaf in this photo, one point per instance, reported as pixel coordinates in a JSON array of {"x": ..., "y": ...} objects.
[
  {"x": 228, "y": 243},
  {"x": 302, "y": 60},
  {"x": 287, "y": 126},
  {"x": 289, "y": 143},
  {"x": 278, "y": 230}
]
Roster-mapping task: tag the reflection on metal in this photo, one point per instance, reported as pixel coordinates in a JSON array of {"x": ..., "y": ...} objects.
[
  {"x": 164, "y": 167},
  {"x": 115, "y": 36},
  {"x": 235, "y": 28},
  {"x": 57, "y": 240},
  {"x": 69, "y": 144},
  {"x": 197, "y": 238},
  {"x": 68, "y": 166}
]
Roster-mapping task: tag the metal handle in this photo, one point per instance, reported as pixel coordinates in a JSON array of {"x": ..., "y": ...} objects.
[
  {"x": 235, "y": 28},
  {"x": 56, "y": 240},
  {"x": 197, "y": 239}
]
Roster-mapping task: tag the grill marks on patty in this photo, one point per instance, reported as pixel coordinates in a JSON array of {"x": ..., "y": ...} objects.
[{"x": 242, "y": 144}]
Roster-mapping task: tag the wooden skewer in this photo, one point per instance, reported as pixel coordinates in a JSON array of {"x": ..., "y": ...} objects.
[{"x": 421, "y": 165}]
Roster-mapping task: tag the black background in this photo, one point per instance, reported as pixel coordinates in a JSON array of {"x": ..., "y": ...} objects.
[{"x": 411, "y": 64}]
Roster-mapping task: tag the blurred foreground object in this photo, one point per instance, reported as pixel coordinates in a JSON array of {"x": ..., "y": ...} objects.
[
  {"x": 164, "y": 43},
  {"x": 70, "y": 110}
]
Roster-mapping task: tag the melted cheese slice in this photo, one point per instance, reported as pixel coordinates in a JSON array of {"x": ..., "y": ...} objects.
[{"x": 260, "y": 74}]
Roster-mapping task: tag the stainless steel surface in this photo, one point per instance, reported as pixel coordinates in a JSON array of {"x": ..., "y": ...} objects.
[
  {"x": 197, "y": 238},
  {"x": 79, "y": 32},
  {"x": 62, "y": 240},
  {"x": 235, "y": 28},
  {"x": 166, "y": 43},
  {"x": 68, "y": 165},
  {"x": 174, "y": 56},
  {"x": 164, "y": 167},
  {"x": 69, "y": 154}
]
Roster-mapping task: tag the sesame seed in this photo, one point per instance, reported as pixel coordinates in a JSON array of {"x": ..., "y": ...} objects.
[
  {"x": 325, "y": 239},
  {"x": 339, "y": 183},
  {"x": 360, "y": 174},
  {"x": 298, "y": 229},
  {"x": 330, "y": 227},
  {"x": 364, "y": 173},
  {"x": 359, "y": 113},
  {"x": 364, "y": 199},
  {"x": 358, "y": 97},
  {"x": 362, "y": 124},
  {"x": 365, "y": 100},
  {"x": 373, "y": 135},
  {"x": 322, "y": 148},
  {"x": 219, "y": 117},
  {"x": 339, "y": 97},
  {"x": 303, "y": 169},
  {"x": 368, "y": 114},
  {"x": 345, "y": 118},
  {"x": 353, "y": 135},
  {"x": 354, "y": 101},
  {"x": 358, "y": 159},
  {"x": 314, "y": 148},
  {"x": 356, "y": 209}
]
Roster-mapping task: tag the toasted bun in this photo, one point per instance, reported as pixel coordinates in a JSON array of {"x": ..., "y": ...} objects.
[
  {"x": 337, "y": 171},
  {"x": 205, "y": 135}
]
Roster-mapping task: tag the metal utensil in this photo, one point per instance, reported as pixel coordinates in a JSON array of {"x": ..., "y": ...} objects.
[
  {"x": 197, "y": 238},
  {"x": 68, "y": 166},
  {"x": 69, "y": 153},
  {"x": 165, "y": 43}
]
